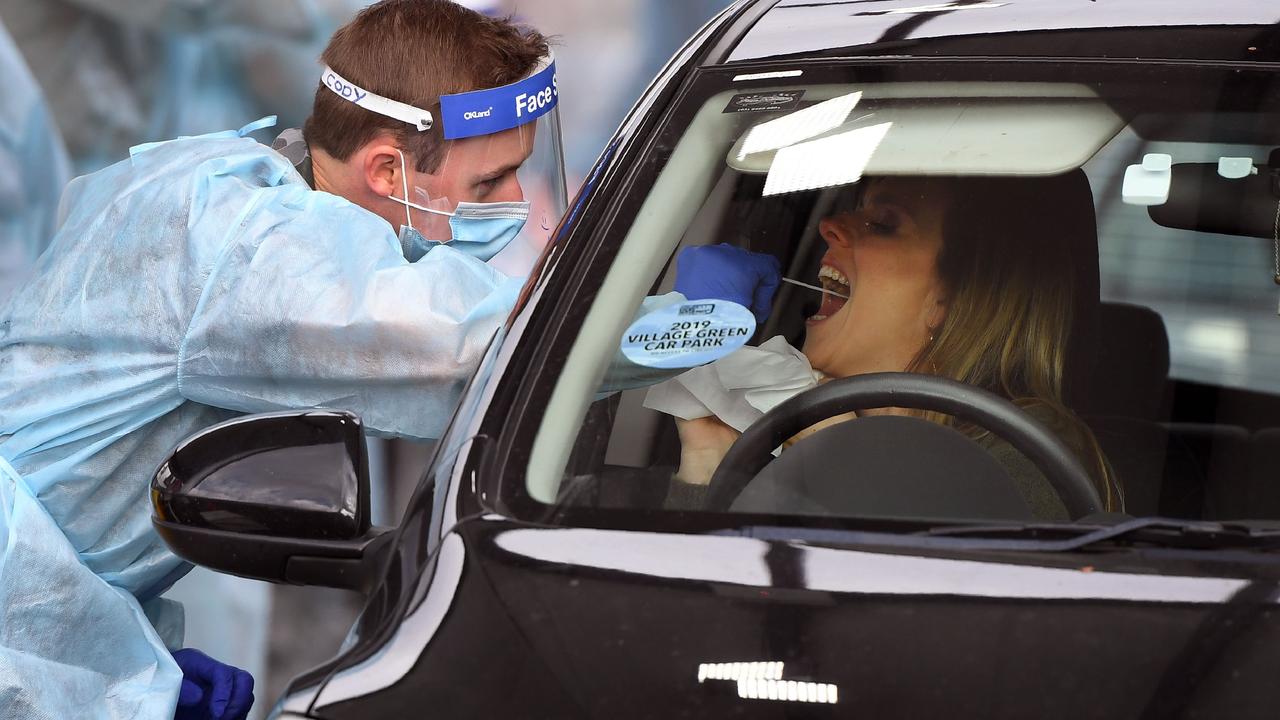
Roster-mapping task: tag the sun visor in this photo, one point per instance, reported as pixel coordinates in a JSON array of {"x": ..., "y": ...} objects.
[{"x": 928, "y": 129}]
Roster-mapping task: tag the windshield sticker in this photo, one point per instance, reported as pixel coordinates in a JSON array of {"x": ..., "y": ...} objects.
[
  {"x": 688, "y": 334},
  {"x": 764, "y": 101}
]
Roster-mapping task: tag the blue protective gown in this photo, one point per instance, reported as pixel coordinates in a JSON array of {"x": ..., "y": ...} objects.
[{"x": 199, "y": 279}]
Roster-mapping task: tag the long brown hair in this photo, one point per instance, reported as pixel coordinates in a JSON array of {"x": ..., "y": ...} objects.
[{"x": 1011, "y": 281}]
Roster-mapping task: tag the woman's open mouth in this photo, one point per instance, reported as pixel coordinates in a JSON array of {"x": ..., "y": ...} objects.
[{"x": 834, "y": 281}]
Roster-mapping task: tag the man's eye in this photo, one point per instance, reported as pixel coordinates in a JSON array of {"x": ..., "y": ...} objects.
[{"x": 484, "y": 187}]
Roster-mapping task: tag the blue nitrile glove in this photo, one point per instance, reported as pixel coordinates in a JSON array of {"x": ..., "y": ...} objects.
[
  {"x": 211, "y": 690},
  {"x": 725, "y": 272}
]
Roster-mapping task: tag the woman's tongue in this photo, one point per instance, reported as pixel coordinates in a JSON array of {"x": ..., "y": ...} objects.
[{"x": 830, "y": 305}]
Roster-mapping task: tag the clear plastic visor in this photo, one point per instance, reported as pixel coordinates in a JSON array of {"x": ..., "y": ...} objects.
[{"x": 523, "y": 164}]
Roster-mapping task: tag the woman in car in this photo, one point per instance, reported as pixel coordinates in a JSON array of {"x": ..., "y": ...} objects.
[{"x": 943, "y": 278}]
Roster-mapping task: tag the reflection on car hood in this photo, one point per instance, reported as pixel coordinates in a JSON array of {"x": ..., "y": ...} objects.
[{"x": 525, "y": 622}]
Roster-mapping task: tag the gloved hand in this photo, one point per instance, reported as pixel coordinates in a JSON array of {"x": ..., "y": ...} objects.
[
  {"x": 725, "y": 272},
  {"x": 211, "y": 690}
]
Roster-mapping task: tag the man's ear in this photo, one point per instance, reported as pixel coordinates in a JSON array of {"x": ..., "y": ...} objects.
[{"x": 382, "y": 169}]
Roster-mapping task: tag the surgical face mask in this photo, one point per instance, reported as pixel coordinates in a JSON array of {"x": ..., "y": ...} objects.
[{"x": 480, "y": 230}]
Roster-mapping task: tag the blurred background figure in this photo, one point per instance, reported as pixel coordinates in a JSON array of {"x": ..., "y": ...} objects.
[
  {"x": 118, "y": 73},
  {"x": 33, "y": 169}
]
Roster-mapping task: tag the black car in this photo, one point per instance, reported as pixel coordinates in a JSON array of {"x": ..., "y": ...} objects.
[{"x": 1101, "y": 545}]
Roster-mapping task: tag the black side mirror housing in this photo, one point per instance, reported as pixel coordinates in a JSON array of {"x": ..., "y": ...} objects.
[{"x": 282, "y": 497}]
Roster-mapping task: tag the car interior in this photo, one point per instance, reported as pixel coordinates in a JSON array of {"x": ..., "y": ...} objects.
[{"x": 1181, "y": 442}]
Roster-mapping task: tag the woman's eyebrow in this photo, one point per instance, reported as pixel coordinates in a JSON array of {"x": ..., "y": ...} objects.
[{"x": 886, "y": 199}]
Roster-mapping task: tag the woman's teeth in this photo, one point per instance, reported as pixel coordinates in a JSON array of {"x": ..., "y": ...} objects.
[{"x": 834, "y": 280}]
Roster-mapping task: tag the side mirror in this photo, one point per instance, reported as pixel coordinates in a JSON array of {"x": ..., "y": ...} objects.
[{"x": 282, "y": 497}]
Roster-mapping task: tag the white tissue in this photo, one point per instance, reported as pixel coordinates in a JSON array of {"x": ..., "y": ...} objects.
[{"x": 738, "y": 388}]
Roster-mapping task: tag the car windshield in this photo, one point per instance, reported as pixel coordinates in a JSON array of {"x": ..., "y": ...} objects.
[{"x": 1090, "y": 249}]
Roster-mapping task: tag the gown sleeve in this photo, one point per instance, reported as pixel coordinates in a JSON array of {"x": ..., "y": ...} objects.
[{"x": 312, "y": 304}]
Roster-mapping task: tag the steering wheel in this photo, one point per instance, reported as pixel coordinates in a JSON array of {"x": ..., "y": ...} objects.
[{"x": 753, "y": 450}]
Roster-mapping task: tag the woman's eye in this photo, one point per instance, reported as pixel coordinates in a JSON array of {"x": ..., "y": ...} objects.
[
  {"x": 882, "y": 223},
  {"x": 484, "y": 187}
]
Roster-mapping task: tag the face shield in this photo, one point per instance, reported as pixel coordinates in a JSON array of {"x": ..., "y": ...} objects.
[{"x": 498, "y": 189}]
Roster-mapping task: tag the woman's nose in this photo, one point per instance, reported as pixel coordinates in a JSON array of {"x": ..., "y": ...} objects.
[{"x": 836, "y": 230}]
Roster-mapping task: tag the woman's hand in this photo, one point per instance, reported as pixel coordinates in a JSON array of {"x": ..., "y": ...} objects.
[
  {"x": 703, "y": 444},
  {"x": 705, "y": 441}
]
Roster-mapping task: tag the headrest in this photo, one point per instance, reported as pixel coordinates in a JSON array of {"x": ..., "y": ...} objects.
[{"x": 1132, "y": 364}]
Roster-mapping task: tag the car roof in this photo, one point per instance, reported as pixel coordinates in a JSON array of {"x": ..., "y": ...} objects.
[{"x": 1221, "y": 30}]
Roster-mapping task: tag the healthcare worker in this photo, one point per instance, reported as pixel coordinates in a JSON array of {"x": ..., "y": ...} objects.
[
  {"x": 119, "y": 73},
  {"x": 33, "y": 169},
  {"x": 209, "y": 276}
]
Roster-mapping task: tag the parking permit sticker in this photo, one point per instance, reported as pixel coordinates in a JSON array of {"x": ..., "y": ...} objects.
[
  {"x": 688, "y": 334},
  {"x": 764, "y": 101}
]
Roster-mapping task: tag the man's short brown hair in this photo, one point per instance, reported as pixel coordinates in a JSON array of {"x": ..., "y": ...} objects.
[{"x": 414, "y": 51}]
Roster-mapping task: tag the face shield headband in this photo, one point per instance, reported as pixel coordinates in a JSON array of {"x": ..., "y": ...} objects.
[{"x": 480, "y": 112}]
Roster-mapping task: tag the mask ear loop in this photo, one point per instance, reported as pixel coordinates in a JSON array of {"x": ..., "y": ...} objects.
[{"x": 404, "y": 179}]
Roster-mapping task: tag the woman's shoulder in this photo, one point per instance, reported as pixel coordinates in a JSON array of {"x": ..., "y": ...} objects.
[
  {"x": 1032, "y": 484},
  {"x": 1035, "y": 488}
]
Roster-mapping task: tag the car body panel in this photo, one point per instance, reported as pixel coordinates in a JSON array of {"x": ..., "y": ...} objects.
[{"x": 522, "y": 621}]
